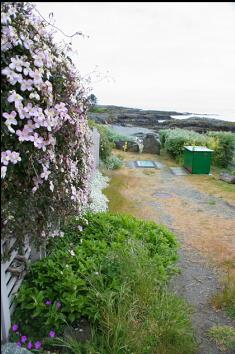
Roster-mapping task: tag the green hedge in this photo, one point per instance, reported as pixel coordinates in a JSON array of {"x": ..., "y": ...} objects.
[{"x": 223, "y": 143}]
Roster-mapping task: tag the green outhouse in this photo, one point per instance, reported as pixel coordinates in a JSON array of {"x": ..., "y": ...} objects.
[{"x": 197, "y": 159}]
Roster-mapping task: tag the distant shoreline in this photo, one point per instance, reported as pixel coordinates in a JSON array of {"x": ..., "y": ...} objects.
[{"x": 157, "y": 119}]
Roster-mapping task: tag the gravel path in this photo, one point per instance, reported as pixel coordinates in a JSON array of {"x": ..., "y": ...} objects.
[
  {"x": 198, "y": 281},
  {"x": 195, "y": 217}
]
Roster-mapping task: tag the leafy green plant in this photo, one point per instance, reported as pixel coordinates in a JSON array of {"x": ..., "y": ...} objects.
[
  {"x": 224, "y": 337},
  {"x": 137, "y": 315},
  {"x": 113, "y": 162},
  {"x": 62, "y": 277}
]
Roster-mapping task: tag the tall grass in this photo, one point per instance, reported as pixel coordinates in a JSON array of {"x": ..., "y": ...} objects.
[{"x": 141, "y": 316}]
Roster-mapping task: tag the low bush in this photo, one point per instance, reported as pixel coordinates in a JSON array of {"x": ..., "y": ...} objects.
[
  {"x": 113, "y": 162},
  {"x": 58, "y": 289},
  {"x": 223, "y": 144},
  {"x": 114, "y": 136}
]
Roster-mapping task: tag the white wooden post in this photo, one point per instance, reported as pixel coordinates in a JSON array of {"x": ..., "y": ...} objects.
[{"x": 96, "y": 147}]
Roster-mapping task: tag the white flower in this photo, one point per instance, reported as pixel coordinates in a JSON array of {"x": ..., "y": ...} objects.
[
  {"x": 3, "y": 171},
  {"x": 51, "y": 186},
  {"x": 34, "y": 95},
  {"x": 5, "y": 18},
  {"x": 72, "y": 253}
]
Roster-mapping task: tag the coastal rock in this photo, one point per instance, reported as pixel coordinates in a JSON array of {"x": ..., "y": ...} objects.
[
  {"x": 226, "y": 177},
  {"x": 151, "y": 144}
]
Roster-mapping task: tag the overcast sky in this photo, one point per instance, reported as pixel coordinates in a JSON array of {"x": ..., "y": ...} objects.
[{"x": 172, "y": 56}]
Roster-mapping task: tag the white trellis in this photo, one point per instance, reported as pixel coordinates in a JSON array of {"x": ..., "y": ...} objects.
[{"x": 12, "y": 274}]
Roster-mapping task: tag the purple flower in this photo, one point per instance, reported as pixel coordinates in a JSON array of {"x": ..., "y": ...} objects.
[
  {"x": 58, "y": 305},
  {"x": 48, "y": 302},
  {"x": 23, "y": 339},
  {"x": 15, "y": 327},
  {"x": 18, "y": 344},
  {"x": 52, "y": 334},
  {"x": 30, "y": 345},
  {"x": 37, "y": 344}
]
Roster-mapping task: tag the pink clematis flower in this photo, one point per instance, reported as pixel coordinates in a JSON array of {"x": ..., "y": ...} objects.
[
  {"x": 15, "y": 157},
  {"x": 10, "y": 120},
  {"x": 5, "y": 157},
  {"x": 15, "y": 97},
  {"x": 16, "y": 64},
  {"x": 38, "y": 142},
  {"x": 26, "y": 85},
  {"x": 45, "y": 173}
]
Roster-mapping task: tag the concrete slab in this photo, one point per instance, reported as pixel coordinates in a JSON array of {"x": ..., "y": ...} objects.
[
  {"x": 179, "y": 171},
  {"x": 145, "y": 164}
]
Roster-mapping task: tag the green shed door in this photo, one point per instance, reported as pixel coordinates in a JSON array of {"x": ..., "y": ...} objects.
[{"x": 201, "y": 162}]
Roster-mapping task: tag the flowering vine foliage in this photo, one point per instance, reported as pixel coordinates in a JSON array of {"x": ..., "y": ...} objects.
[{"x": 45, "y": 157}]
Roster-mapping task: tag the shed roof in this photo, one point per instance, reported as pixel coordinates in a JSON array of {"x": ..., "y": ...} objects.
[{"x": 197, "y": 148}]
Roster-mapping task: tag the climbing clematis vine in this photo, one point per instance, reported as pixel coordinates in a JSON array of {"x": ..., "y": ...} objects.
[{"x": 46, "y": 159}]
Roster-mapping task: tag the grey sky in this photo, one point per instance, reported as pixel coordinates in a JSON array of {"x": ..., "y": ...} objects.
[{"x": 178, "y": 56}]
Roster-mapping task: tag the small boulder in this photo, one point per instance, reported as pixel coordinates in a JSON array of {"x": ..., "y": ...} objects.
[
  {"x": 226, "y": 177},
  {"x": 12, "y": 348},
  {"x": 151, "y": 144}
]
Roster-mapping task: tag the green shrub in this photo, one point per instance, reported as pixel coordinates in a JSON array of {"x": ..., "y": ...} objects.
[
  {"x": 113, "y": 162},
  {"x": 223, "y": 143},
  {"x": 174, "y": 140},
  {"x": 224, "y": 147},
  {"x": 63, "y": 276},
  {"x": 114, "y": 136}
]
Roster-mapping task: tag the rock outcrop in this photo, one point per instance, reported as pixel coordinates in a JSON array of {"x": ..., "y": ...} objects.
[{"x": 151, "y": 144}]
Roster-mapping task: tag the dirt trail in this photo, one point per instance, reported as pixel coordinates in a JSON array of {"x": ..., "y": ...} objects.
[{"x": 203, "y": 218}]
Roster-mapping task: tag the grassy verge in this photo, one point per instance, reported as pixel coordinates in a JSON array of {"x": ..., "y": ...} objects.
[
  {"x": 223, "y": 336},
  {"x": 226, "y": 298}
]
